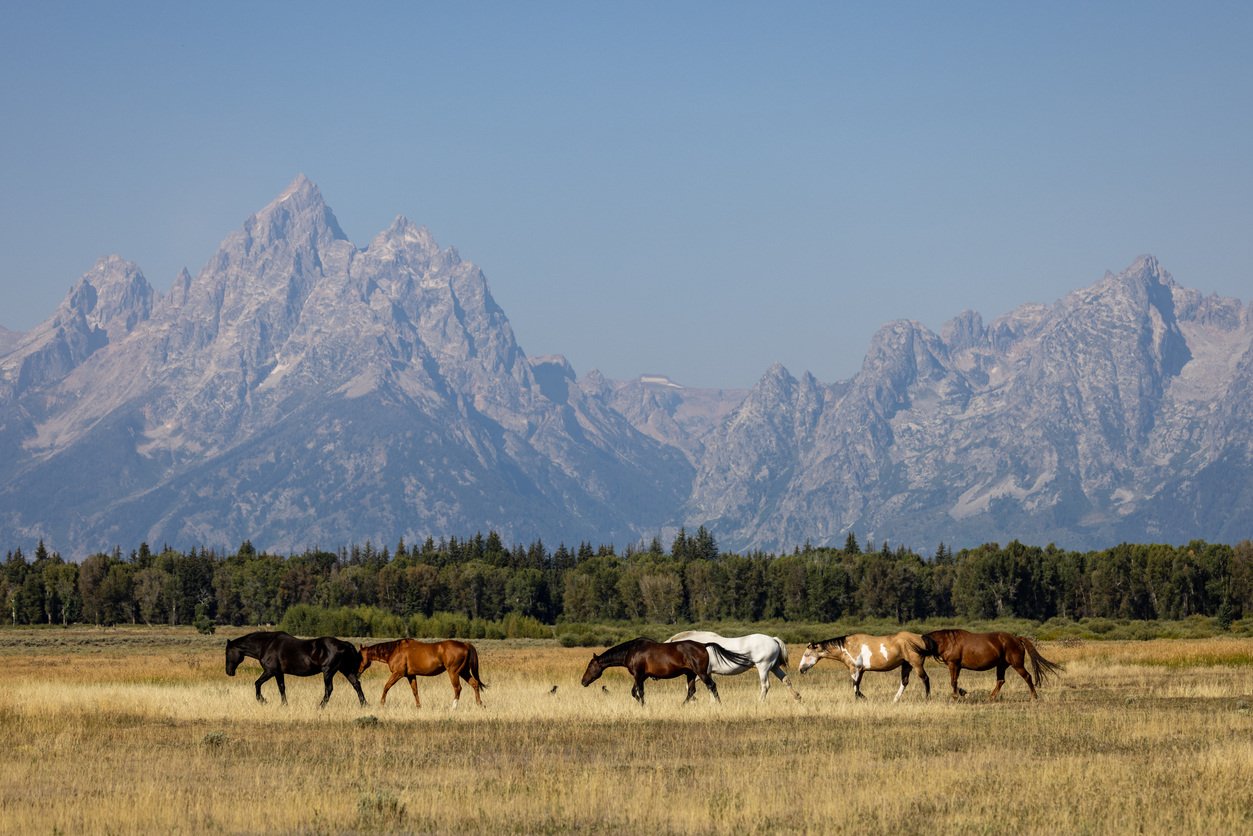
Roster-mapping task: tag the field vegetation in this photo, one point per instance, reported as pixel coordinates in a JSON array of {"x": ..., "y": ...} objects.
[{"x": 138, "y": 729}]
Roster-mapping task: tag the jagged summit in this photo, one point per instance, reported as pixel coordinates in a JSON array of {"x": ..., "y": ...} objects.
[
  {"x": 299, "y": 391},
  {"x": 305, "y": 391}
]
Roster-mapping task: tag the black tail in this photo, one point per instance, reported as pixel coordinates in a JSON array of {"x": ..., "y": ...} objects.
[
  {"x": 472, "y": 666},
  {"x": 1041, "y": 667},
  {"x": 741, "y": 659},
  {"x": 929, "y": 647}
]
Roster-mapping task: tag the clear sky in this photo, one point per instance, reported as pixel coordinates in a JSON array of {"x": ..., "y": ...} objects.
[{"x": 696, "y": 189}]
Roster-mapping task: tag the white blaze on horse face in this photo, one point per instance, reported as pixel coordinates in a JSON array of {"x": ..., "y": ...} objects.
[{"x": 808, "y": 660}]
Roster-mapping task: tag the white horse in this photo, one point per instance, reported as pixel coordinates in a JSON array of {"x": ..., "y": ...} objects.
[{"x": 769, "y": 655}]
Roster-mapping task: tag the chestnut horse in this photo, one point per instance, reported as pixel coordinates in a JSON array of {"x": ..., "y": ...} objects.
[
  {"x": 410, "y": 658},
  {"x": 644, "y": 659},
  {"x": 281, "y": 653},
  {"x": 980, "y": 651},
  {"x": 860, "y": 653}
]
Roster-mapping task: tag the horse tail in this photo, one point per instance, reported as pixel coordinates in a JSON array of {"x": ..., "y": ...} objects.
[
  {"x": 1041, "y": 667},
  {"x": 472, "y": 665},
  {"x": 726, "y": 657},
  {"x": 929, "y": 647},
  {"x": 782, "y": 650}
]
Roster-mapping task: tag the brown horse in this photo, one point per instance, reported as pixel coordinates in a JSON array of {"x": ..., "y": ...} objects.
[
  {"x": 980, "y": 651},
  {"x": 410, "y": 658},
  {"x": 646, "y": 659},
  {"x": 860, "y": 653}
]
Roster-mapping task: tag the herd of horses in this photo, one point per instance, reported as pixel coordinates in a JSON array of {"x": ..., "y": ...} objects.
[{"x": 693, "y": 655}]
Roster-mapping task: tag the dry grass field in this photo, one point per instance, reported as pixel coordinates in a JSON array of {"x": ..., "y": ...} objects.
[{"x": 128, "y": 730}]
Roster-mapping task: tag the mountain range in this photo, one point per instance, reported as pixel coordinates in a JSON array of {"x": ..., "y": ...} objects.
[{"x": 301, "y": 392}]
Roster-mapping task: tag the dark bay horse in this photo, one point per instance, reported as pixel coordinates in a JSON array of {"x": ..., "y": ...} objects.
[
  {"x": 281, "y": 653},
  {"x": 410, "y": 658},
  {"x": 646, "y": 659},
  {"x": 981, "y": 651},
  {"x": 860, "y": 653}
]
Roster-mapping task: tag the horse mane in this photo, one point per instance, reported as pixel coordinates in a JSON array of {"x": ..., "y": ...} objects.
[
  {"x": 382, "y": 649},
  {"x": 616, "y": 655},
  {"x": 838, "y": 641}
]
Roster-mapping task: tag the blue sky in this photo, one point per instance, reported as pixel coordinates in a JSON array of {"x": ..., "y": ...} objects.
[{"x": 697, "y": 189}]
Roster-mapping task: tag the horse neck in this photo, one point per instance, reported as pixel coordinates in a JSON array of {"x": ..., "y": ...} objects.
[
  {"x": 380, "y": 652},
  {"x": 254, "y": 644},
  {"x": 835, "y": 645},
  {"x": 615, "y": 657}
]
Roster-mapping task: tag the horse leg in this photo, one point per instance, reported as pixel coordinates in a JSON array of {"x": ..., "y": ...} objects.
[
  {"x": 413, "y": 685},
  {"x": 456, "y": 687},
  {"x": 327, "y": 677},
  {"x": 1022, "y": 671},
  {"x": 355, "y": 682},
  {"x": 637, "y": 690},
  {"x": 1000, "y": 680},
  {"x": 264, "y": 676},
  {"x": 392, "y": 680},
  {"x": 779, "y": 671},
  {"x": 474, "y": 685},
  {"x": 691, "y": 687},
  {"x": 713, "y": 687},
  {"x": 954, "y": 668},
  {"x": 857, "y": 683},
  {"x": 282, "y": 685},
  {"x": 905, "y": 669},
  {"x": 926, "y": 680},
  {"x": 764, "y": 673}
]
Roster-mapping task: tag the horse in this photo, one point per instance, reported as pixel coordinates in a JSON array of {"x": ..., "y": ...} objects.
[
  {"x": 644, "y": 658},
  {"x": 860, "y": 653},
  {"x": 410, "y": 658},
  {"x": 769, "y": 655},
  {"x": 281, "y": 653},
  {"x": 980, "y": 651}
]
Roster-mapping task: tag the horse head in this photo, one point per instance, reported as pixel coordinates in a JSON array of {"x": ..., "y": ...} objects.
[
  {"x": 365, "y": 659},
  {"x": 814, "y": 651},
  {"x": 594, "y": 669},
  {"x": 234, "y": 655}
]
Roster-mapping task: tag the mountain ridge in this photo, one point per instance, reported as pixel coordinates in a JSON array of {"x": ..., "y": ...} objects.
[{"x": 301, "y": 390}]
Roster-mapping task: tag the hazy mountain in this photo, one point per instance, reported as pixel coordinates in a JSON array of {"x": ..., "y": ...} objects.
[
  {"x": 302, "y": 391},
  {"x": 1120, "y": 413}
]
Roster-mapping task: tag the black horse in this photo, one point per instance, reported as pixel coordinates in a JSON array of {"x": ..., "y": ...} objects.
[{"x": 281, "y": 653}]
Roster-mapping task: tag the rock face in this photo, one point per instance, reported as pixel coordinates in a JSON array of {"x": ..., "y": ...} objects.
[
  {"x": 301, "y": 391},
  {"x": 1120, "y": 413}
]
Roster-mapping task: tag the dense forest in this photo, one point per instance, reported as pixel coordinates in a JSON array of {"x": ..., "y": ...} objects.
[{"x": 692, "y": 581}]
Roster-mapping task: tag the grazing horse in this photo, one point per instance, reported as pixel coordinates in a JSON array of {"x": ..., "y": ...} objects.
[
  {"x": 860, "y": 653},
  {"x": 980, "y": 651},
  {"x": 644, "y": 658},
  {"x": 281, "y": 653},
  {"x": 769, "y": 655},
  {"x": 410, "y": 658}
]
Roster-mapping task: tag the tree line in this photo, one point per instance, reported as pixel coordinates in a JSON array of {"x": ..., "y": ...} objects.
[{"x": 480, "y": 577}]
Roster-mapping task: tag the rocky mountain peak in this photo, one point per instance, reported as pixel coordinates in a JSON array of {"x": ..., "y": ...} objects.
[{"x": 113, "y": 297}]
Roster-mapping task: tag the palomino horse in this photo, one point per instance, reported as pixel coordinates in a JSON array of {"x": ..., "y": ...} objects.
[
  {"x": 769, "y": 655},
  {"x": 980, "y": 651},
  {"x": 861, "y": 653},
  {"x": 280, "y": 653},
  {"x": 410, "y": 658},
  {"x": 644, "y": 658}
]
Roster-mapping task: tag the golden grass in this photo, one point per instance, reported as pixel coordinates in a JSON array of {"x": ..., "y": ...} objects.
[{"x": 141, "y": 730}]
